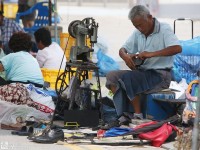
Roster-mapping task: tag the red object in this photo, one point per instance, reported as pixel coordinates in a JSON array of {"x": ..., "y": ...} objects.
[
  {"x": 145, "y": 124},
  {"x": 158, "y": 136},
  {"x": 100, "y": 133}
]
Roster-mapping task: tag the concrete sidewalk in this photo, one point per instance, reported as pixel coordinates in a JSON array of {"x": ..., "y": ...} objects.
[
  {"x": 15, "y": 142},
  {"x": 114, "y": 28}
]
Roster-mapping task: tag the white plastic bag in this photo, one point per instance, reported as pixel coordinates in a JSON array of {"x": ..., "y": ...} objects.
[
  {"x": 10, "y": 112},
  {"x": 179, "y": 88}
]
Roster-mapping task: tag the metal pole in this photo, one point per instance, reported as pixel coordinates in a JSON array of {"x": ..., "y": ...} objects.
[
  {"x": 130, "y": 3},
  {"x": 195, "y": 137},
  {"x": 55, "y": 21},
  {"x": 50, "y": 8},
  {"x": 2, "y": 8},
  {"x": 104, "y": 3},
  {"x": 79, "y": 3}
]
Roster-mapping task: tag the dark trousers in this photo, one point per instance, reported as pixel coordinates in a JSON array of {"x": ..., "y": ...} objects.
[{"x": 3, "y": 81}]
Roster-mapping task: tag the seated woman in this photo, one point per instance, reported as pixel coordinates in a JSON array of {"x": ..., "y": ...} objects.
[
  {"x": 20, "y": 66},
  {"x": 50, "y": 54},
  {"x": 16, "y": 98}
]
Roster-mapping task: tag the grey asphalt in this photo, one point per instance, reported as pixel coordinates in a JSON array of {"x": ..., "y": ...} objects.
[
  {"x": 15, "y": 142},
  {"x": 114, "y": 27}
]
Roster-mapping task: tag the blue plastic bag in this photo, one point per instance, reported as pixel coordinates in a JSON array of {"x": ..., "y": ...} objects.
[
  {"x": 186, "y": 67},
  {"x": 105, "y": 63},
  {"x": 187, "y": 64},
  {"x": 191, "y": 47},
  {"x": 116, "y": 131}
]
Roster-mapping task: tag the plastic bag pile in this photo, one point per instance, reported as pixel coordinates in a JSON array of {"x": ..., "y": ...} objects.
[{"x": 187, "y": 64}]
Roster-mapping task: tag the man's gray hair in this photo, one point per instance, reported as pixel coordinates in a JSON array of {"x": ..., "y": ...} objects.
[{"x": 138, "y": 10}]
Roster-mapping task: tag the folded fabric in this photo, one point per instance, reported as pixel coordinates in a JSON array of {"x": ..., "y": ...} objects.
[{"x": 116, "y": 131}]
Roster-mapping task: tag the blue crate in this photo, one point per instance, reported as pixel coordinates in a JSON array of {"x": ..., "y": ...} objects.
[{"x": 158, "y": 110}]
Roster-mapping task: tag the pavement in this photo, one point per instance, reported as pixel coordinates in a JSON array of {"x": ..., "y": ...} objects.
[
  {"x": 114, "y": 28},
  {"x": 15, "y": 142}
]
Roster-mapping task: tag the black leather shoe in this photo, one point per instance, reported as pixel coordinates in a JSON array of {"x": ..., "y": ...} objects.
[
  {"x": 51, "y": 136},
  {"x": 110, "y": 125}
]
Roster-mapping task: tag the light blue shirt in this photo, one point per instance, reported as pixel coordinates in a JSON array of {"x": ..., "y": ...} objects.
[
  {"x": 22, "y": 66},
  {"x": 162, "y": 37}
]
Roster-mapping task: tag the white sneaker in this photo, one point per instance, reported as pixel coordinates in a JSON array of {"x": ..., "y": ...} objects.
[{"x": 138, "y": 116}]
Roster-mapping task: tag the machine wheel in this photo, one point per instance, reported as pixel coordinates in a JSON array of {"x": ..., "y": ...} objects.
[{"x": 72, "y": 28}]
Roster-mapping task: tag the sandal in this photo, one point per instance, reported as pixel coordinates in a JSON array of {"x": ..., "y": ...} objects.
[
  {"x": 28, "y": 129},
  {"x": 23, "y": 131}
]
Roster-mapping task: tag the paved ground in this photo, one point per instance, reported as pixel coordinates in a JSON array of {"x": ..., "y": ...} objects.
[
  {"x": 114, "y": 27},
  {"x": 15, "y": 142}
]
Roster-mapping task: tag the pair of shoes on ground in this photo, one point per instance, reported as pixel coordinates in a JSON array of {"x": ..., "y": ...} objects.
[
  {"x": 124, "y": 119},
  {"x": 49, "y": 135}
]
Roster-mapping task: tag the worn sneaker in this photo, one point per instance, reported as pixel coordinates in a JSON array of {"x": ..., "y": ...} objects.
[
  {"x": 128, "y": 115},
  {"x": 124, "y": 120},
  {"x": 138, "y": 116}
]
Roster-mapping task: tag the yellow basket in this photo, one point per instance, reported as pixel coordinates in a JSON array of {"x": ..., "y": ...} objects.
[
  {"x": 50, "y": 75},
  {"x": 66, "y": 42},
  {"x": 10, "y": 10}
]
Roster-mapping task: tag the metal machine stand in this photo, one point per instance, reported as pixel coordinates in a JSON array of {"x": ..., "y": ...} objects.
[
  {"x": 82, "y": 69},
  {"x": 81, "y": 73},
  {"x": 79, "y": 65}
]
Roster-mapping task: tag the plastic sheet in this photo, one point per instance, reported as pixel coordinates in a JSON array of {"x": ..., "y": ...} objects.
[
  {"x": 191, "y": 47},
  {"x": 105, "y": 63},
  {"x": 186, "y": 67}
]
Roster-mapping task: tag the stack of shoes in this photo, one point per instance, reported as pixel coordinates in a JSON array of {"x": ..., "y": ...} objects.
[
  {"x": 40, "y": 131},
  {"x": 137, "y": 120},
  {"x": 110, "y": 125},
  {"x": 138, "y": 116},
  {"x": 124, "y": 119},
  {"x": 49, "y": 135}
]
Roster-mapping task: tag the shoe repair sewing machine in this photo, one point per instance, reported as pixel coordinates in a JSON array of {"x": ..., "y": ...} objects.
[{"x": 76, "y": 71}]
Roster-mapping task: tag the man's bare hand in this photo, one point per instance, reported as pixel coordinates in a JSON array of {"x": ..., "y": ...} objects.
[
  {"x": 129, "y": 61},
  {"x": 144, "y": 55}
]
